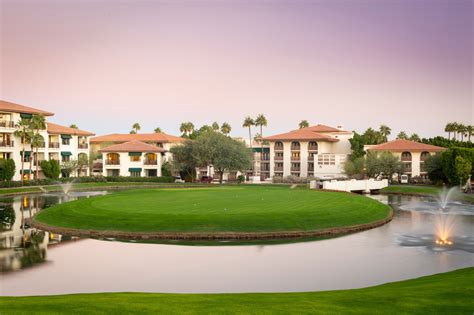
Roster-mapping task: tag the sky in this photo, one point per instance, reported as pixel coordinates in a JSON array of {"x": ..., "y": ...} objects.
[{"x": 105, "y": 65}]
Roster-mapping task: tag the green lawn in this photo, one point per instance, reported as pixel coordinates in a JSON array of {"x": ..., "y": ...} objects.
[
  {"x": 216, "y": 209},
  {"x": 447, "y": 293}
]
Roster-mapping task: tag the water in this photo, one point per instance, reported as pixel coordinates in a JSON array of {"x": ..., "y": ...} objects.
[{"x": 38, "y": 263}]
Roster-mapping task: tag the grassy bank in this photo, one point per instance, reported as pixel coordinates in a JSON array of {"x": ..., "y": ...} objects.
[
  {"x": 423, "y": 190},
  {"x": 447, "y": 293},
  {"x": 216, "y": 209}
]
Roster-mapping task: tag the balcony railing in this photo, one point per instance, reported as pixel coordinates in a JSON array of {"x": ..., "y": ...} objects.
[
  {"x": 295, "y": 158},
  {"x": 278, "y": 158},
  {"x": 278, "y": 169},
  {"x": 7, "y": 144},
  {"x": 313, "y": 148},
  {"x": 54, "y": 145},
  {"x": 150, "y": 162},
  {"x": 295, "y": 148},
  {"x": 7, "y": 124},
  {"x": 83, "y": 146},
  {"x": 295, "y": 169},
  {"x": 112, "y": 162},
  {"x": 278, "y": 148},
  {"x": 406, "y": 158}
]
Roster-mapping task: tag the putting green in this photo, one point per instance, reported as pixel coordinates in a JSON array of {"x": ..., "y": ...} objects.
[{"x": 228, "y": 209}]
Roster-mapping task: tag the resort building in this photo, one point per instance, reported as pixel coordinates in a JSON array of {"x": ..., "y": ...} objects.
[
  {"x": 411, "y": 153},
  {"x": 60, "y": 143},
  {"x": 133, "y": 158},
  {"x": 316, "y": 151}
]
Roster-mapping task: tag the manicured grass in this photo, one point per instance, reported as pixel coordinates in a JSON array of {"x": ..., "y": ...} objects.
[
  {"x": 216, "y": 209},
  {"x": 447, "y": 293}
]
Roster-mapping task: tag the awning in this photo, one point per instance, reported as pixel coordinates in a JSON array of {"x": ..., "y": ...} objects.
[
  {"x": 25, "y": 115},
  {"x": 135, "y": 169},
  {"x": 66, "y": 153},
  {"x": 26, "y": 172},
  {"x": 265, "y": 150},
  {"x": 134, "y": 153},
  {"x": 66, "y": 136}
]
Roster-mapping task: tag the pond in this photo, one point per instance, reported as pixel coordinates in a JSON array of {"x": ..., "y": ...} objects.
[{"x": 34, "y": 262}]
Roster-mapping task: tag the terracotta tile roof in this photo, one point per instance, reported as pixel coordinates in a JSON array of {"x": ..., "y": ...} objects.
[
  {"x": 132, "y": 146},
  {"x": 405, "y": 145},
  {"x": 318, "y": 132},
  {"x": 63, "y": 130},
  {"x": 145, "y": 137},
  {"x": 17, "y": 108}
]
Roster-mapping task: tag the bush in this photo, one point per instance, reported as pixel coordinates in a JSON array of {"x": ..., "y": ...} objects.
[
  {"x": 448, "y": 161},
  {"x": 163, "y": 179},
  {"x": 166, "y": 169},
  {"x": 289, "y": 180},
  {"x": 240, "y": 179},
  {"x": 7, "y": 169},
  {"x": 51, "y": 169}
]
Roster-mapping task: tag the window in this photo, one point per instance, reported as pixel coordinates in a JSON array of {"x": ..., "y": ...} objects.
[
  {"x": 134, "y": 158},
  {"x": 66, "y": 158},
  {"x": 135, "y": 174},
  {"x": 406, "y": 156},
  {"x": 65, "y": 141},
  {"x": 152, "y": 173},
  {"x": 326, "y": 159}
]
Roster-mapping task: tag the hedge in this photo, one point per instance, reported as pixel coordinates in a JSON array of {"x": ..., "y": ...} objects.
[{"x": 448, "y": 159}]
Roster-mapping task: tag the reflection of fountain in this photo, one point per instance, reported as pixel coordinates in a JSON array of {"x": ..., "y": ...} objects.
[{"x": 444, "y": 221}]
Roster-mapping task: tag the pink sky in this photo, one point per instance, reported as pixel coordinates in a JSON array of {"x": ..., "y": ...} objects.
[{"x": 107, "y": 64}]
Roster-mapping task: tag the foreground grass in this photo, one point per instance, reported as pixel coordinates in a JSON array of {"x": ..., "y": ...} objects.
[
  {"x": 447, "y": 293},
  {"x": 216, "y": 209},
  {"x": 423, "y": 190}
]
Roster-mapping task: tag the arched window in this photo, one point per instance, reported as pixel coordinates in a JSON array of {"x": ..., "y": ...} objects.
[
  {"x": 278, "y": 145},
  {"x": 424, "y": 156},
  {"x": 406, "y": 156},
  {"x": 150, "y": 159},
  {"x": 295, "y": 146},
  {"x": 313, "y": 146}
]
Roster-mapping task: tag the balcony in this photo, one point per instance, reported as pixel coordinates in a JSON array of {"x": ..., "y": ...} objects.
[
  {"x": 112, "y": 162},
  {"x": 278, "y": 148},
  {"x": 83, "y": 146},
  {"x": 278, "y": 169},
  {"x": 150, "y": 162},
  {"x": 295, "y": 158},
  {"x": 7, "y": 124},
  {"x": 313, "y": 148},
  {"x": 278, "y": 158},
  {"x": 295, "y": 148},
  {"x": 295, "y": 169},
  {"x": 6, "y": 144},
  {"x": 53, "y": 145}
]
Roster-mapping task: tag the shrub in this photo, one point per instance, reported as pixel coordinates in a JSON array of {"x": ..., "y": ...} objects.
[
  {"x": 448, "y": 161},
  {"x": 240, "y": 179},
  {"x": 163, "y": 179},
  {"x": 166, "y": 169},
  {"x": 51, "y": 169},
  {"x": 290, "y": 180},
  {"x": 7, "y": 169}
]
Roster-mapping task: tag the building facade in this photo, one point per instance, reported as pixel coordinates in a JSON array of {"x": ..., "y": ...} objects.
[
  {"x": 411, "y": 153},
  {"x": 133, "y": 158},
  {"x": 317, "y": 151},
  {"x": 60, "y": 143}
]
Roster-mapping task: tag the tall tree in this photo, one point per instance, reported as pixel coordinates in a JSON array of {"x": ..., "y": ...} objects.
[
  {"x": 469, "y": 131},
  {"x": 186, "y": 128},
  {"x": 248, "y": 123},
  {"x": 455, "y": 126},
  {"x": 462, "y": 129},
  {"x": 448, "y": 128},
  {"x": 303, "y": 124},
  {"x": 37, "y": 124},
  {"x": 136, "y": 126},
  {"x": 157, "y": 130},
  {"x": 215, "y": 126},
  {"x": 23, "y": 131},
  {"x": 73, "y": 126},
  {"x": 402, "y": 135},
  {"x": 385, "y": 131},
  {"x": 261, "y": 121},
  {"x": 226, "y": 128},
  {"x": 415, "y": 137}
]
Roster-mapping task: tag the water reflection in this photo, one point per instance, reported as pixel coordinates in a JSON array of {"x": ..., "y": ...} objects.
[
  {"x": 396, "y": 251},
  {"x": 20, "y": 245}
]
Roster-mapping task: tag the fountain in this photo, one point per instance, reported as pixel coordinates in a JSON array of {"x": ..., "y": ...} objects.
[
  {"x": 66, "y": 187},
  {"x": 444, "y": 210}
]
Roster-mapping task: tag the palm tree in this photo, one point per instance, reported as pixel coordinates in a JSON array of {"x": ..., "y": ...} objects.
[
  {"x": 415, "y": 137},
  {"x": 248, "y": 123},
  {"x": 215, "y": 126},
  {"x": 186, "y": 128},
  {"x": 261, "y": 121},
  {"x": 37, "y": 123},
  {"x": 137, "y": 127},
  {"x": 158, "y": 130},
  {"x": 402, "y": 135},
  {"x": 132, "y": 132},
  {"x": 385, "y": 131},
  {"x": 24, "y": 133},
  {"x": 226, "y": 128},
  {"x": 455, "y": 126},
  {"x": 448, "y": 128},
  {"x": 73, "y": 126},
  {"x": 303, "y": 124},
  {"x": 470, "y": 131},
  {"x": 462, "y": 130}
]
